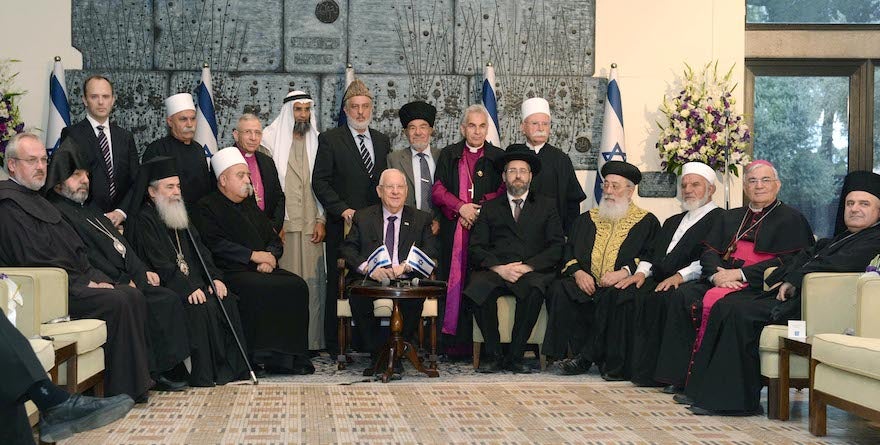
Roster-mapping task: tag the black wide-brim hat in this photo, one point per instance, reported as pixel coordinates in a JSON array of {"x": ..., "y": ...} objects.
[
  {"x": 857, "y": 181},
  {"x": 622, "y": 168},
  {"x": 518, "y": 152}
]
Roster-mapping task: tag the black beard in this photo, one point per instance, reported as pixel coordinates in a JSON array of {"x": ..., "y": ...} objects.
[{"x": 301, "y": 128}]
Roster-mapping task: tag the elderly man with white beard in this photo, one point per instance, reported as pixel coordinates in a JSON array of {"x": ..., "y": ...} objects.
[
  {"x": 159, "y": 229},
  {"x": 602, "y": 250},
  {"x": 673, "y": 259}
]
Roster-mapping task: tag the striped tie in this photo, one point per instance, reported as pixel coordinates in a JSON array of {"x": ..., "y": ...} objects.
[
  {"x": 365, "y": 155},
  {"x": 105, "y": 150}
]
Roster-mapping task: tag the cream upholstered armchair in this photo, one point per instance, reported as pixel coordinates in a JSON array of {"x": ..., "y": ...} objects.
[
  {"x": 506, "y": 313},
  {"x": 44, "y": 296},
  {"x": 845, "y": 370},
  {"x": 828, "y": 303}
]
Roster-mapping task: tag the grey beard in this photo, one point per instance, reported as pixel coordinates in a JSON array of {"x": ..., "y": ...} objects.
[
  {"x": 247, "y": 189},
  {"x": 517, "y": 190},
  {"x": 301, "y": 128},
  {"x": 361, "y": 126},
  {"x": 694, "y": 205},
  {"x": 172, "y": 213},
  {"x": 78, "y": 197},
  {"x": 612, "y": 211}
]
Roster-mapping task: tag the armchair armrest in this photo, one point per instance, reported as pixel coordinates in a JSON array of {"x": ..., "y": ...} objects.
[
  {"x": 44, "y": 290},
  {"x": 868, "y": 306},
  {"x": 828, "y": 301}
]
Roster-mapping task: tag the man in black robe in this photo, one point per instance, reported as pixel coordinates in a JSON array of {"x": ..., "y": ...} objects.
[
  {"x": 274, "y": 303},
  {"x": 515, "y": 249},
  {"x": 726, "y": 377},
  {"x": 348, "y": 163},
  {"x": 164, "y": 238},
  {"x": 673, "y": 259},
  {"x": 109, "y": 252},
  {"x": 557, "y": 180},
  {"x": 34, "y": 234},
  {"x": 741, "y": 246},
  {"x": 398, "y": 227},
  {"x": 603, "y": 249},
  {"x": 195, "y": 179},
  {"x": 61, "y": 414}
]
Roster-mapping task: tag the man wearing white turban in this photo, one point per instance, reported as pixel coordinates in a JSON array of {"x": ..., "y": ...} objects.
[{"x": 292, "y": 140}]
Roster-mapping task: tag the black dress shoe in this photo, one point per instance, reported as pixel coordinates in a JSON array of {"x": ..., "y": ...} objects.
[
  {"x": 165, "y": 384},
  {"x": 142, "y": 399},
  {"x": 491, "y": 366},
  {"x": 303, "y": 369},
  {"x": 672, "y": 389},
  {"x": 612, "y": 377},
  {"x": 517, "y": 367},
  {"x": 81, "y": 413},
  {"x": 682, "y": 399},
  {"x": 576, "y": 365},
  {"x": 709, "y": 412}
]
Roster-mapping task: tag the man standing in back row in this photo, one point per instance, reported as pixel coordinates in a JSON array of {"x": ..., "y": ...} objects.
[{"x": 347, "y": 168}]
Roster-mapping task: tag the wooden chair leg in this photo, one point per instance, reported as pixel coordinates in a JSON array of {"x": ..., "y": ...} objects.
[
  {"x": 340, "y": 332},
  {"x": 818, "y": 414},
  {"x": 476, "y": 355},
  {"x": 773, "y": 389},
  {"x": 542, "y": 359},
  {"x": 433, "y": 342},
  {"x": 421, "y": 334}
]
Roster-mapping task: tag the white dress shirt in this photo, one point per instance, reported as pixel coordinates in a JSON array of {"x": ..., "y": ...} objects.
[
  {"x": 106, "y": 125},
  {"x": 417, "y": 173},
  {"x": 512, "y": 204},
  {"x": 368, "y": 142},
  {"x": 693, "y": 270}
]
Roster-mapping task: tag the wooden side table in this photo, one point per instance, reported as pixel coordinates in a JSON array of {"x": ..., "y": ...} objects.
[
  {"x": 397, "y": 347},
  {"x": 65, "y": 351},
  {"x": 787, "y": 346}
]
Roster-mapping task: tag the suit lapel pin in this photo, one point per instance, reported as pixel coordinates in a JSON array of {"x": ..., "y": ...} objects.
[
  {"x": 406, "y": 223},
  {"x": 480, "y": 173}
]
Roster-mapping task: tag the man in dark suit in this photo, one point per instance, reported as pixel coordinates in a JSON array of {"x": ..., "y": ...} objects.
[
  {"x": 399, "y": 227},
  {"x": 248, "y": 135},
  {"x": 347, "y": 168},
  {"x": 419, "y": 161},
  {"x": 515, "y": 248},
  {"x": 108, "y": 150}
]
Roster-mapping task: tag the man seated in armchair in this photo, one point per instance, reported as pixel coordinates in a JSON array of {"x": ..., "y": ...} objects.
[
  {"x": 726, "y": 377},
  {"x": 398, "y": 227}
]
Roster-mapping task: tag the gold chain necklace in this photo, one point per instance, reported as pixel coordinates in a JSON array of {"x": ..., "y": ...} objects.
[{"x": 181, "y": 262}]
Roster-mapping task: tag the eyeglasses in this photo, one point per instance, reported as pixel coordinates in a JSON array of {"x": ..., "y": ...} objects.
[
  {"x": 251, "y": 132},
  {"x": 31, "y": 161},
  {"x": 394, "y": 187},
  {"x": 515, "y": 171},
  {"x": 613, "y": 186},
  {"x": 765, "y": 181}
]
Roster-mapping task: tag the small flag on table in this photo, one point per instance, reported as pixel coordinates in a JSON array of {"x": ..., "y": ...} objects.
[
  {"x": 491, "y": 104},
  {"x": 206, "y": 121},
  {"x": 59, "y": 109},
  {"x": 379, "y": 258},
  {"x": 419, "y": 261}
]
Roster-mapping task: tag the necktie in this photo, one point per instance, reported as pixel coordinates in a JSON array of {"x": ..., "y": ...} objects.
[
  {"x": 426, "y": 182},
  {"x": 389, "y": 237},
  {"x": 518, "y": 209},
  {"x": 105, "y": 151},
  {"x": 365, "y": 155}
]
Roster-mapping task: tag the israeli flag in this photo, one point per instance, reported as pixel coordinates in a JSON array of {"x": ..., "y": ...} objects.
[
  {"x": 612, "y": 147},
  {"x": 491, "y": 104},
  {"x": 419, "y": 261},
  {"x": 59, "y": 108},
  {"x": 342, "y": 119},
  {"x": 379, "y": 258},
  {"x": 206, "y": 122}
]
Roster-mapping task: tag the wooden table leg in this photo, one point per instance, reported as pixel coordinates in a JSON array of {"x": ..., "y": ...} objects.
[{"x": 783, "y": 391}]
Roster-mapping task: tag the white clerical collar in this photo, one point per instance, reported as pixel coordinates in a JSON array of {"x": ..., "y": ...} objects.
[
  {"x": 472, "y": 149},
  {"x": 535, "y": 148},
  {"x": 245, "y": 152},
  {"x": 95, "y": 122}
]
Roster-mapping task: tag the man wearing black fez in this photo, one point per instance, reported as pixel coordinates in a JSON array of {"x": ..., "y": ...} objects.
[
  {"x": 68, "y": 190},
  {"x": 159, "y": 229},
  {"x": 419, "y": 161},
  {"x": 603, "y": 248},
  {"x": 515, "y": 248},
  {"x": 33, "y": 234},
  {"x": 726, "y": 375}
]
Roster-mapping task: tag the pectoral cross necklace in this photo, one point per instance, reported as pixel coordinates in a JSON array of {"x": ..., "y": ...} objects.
[
  {"x": 741, "y": 233},
  {"x": 470, "y": 179}
]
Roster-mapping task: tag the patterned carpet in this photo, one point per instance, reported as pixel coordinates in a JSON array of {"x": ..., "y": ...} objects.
[{"x": 459, "y": 407}]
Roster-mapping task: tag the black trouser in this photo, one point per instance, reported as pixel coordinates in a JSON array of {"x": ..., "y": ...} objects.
[
  {"x": 528, "y": 309},
  {"x": 368, "y": 326},
  {"x": 20, "y": 369}
]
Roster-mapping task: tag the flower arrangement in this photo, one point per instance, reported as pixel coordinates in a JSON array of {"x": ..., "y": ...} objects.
[
  {"x": 874, "y": 265},
  {"x": 10, "y": 119},
  {"x": 701, "y": 123}
]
